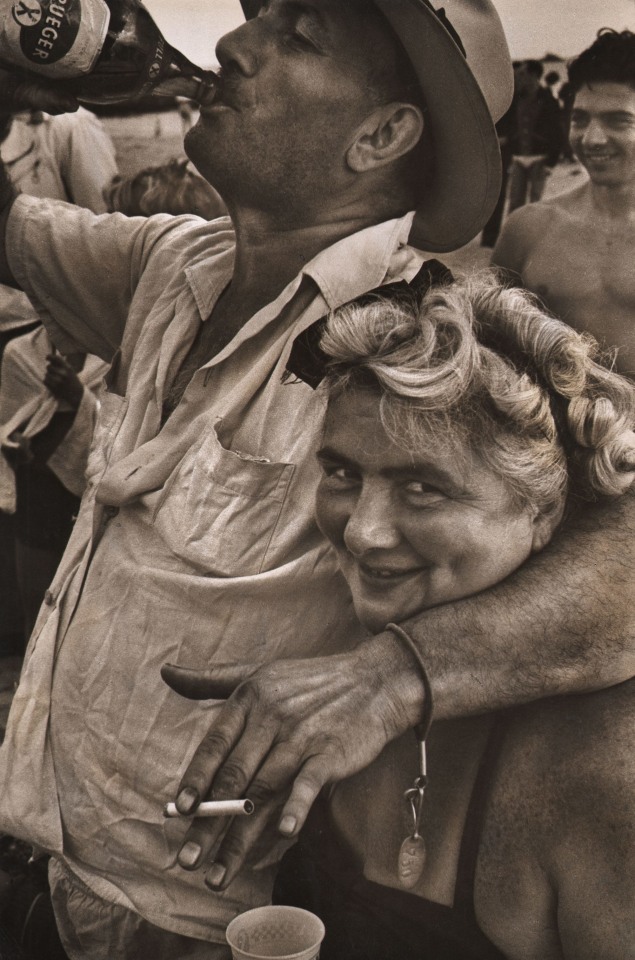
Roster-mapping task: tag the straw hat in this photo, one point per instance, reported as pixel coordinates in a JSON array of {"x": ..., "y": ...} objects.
[{"x": 460, "y": 55}]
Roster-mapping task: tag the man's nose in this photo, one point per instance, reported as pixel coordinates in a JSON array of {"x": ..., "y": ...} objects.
[
  {"x": 371, "y": 525},
  {"x": 594, "y": 133},
  {"x": 242, "y": 48}
]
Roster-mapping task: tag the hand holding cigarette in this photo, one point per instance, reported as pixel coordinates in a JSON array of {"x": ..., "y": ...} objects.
[
  {"x": 214, "y": 808},
  {"x": 286, "y": 730}
]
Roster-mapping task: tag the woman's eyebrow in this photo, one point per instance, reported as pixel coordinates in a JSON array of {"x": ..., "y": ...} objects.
[
  {"x": 329, "y": 453},
  {"x": 424, "y": 470}
]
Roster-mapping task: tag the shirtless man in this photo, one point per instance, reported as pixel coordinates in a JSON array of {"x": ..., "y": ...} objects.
[{"x": 576, "y": 250}]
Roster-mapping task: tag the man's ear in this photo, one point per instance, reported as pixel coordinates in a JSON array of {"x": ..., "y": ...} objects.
[{"x": 386, "y": 134}]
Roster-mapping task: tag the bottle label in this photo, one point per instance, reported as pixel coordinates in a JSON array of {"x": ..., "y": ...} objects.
[{"x": 57, "y": 38}]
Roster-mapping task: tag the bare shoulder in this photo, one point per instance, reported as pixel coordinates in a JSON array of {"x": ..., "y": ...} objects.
[
  {"x": 566, "y": 777},
  {"x": 557, "y": 855},
  {"x": 522, "y": 230},
  {"x": 533, "y": 225}
]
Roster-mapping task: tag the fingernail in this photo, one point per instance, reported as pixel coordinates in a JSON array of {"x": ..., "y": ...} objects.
[
  {"x": 287, "y": 824},
  {"x": 215, "y": 875},
  {"x": 189, "y": 855},
  {"x": 187, "y": 799}
]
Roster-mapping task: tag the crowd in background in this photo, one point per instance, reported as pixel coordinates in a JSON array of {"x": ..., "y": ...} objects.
[{"x": 533, "y": 137}]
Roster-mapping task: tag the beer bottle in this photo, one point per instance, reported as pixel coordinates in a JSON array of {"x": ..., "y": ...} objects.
[{"x": 101, "y": 51}]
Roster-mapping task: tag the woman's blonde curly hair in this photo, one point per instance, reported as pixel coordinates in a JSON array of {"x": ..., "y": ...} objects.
[{"x": 484, "y": 364}]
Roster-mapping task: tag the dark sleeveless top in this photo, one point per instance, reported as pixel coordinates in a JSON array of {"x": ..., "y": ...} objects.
[{"x": 368, "y": 921}]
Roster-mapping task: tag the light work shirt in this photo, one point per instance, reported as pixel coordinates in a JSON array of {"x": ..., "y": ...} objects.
[
  {"x": 195, "y": 543},
  {"x": 67, "y": 157}
]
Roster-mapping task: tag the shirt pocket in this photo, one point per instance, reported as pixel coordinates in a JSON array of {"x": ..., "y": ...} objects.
[{"x": 221, "y": 507}]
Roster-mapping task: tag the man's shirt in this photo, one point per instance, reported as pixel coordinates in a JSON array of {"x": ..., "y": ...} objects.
[{"x": 196, "y": 542}]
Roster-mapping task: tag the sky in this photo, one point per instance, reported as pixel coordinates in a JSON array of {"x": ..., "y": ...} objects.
[{"x": 533, "y": 27}]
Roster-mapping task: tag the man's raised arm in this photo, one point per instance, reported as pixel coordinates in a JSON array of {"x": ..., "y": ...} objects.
[{"x": 561, "y": 624}]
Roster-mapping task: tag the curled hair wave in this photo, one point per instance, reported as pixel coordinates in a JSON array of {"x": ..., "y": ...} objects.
[{"x": 485, "y": 364}]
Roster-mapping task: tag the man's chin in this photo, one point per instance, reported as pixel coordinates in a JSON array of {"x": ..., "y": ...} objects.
[
  {"x": 197, "y": 151},
  {"x": 190, "y": 144}
]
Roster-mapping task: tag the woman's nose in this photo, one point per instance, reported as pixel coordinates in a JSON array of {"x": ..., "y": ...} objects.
[
  {"x": 371, "y": 525},
  {"x": 241, "y": 48}
]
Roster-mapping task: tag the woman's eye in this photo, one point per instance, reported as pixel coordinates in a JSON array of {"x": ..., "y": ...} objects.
[
  {"x": 338, "y": 476},
  {"x": 418, "y": 491}
]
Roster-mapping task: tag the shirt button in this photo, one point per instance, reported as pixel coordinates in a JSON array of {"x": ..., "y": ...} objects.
[
  {"x": 49, "y": 598},
  {"x": 110, "y": 512}
]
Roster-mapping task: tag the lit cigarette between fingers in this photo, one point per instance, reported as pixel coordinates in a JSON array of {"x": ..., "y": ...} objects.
[{"x": 214, "y": 808}]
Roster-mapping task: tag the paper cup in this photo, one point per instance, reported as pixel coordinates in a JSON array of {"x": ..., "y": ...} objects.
[{"x": 283, "y": 933}]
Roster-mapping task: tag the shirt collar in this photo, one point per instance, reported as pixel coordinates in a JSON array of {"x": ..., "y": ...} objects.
[
  {"x": 207, "y": 282},
  {"x": 379, "y": 254}
]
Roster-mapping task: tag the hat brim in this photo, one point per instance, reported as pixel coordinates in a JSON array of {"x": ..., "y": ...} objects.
[{"x": 466, "y": 180}]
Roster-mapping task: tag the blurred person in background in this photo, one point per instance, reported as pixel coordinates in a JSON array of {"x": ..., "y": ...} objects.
[
  {"x": 576, "y": 250},
  {"x": 48, "y": 407},
  {"x": 504, "y": 130},
  {"x": 551, "y": 80},
  {"x": 166, "y": 188},
  {"x": 68, "y": 157},
  {"x": 535, "y": 135}
]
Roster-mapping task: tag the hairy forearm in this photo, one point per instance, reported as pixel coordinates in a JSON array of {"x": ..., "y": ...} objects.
[
  {"x": 563, "y": 623},
  {"x": 8, "y": 194}
]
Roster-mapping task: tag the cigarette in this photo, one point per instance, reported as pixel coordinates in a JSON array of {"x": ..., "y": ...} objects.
[{"x": 214, "y": 808}]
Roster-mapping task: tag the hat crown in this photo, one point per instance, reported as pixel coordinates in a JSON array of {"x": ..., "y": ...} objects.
[{"x": 478, "y": 25}]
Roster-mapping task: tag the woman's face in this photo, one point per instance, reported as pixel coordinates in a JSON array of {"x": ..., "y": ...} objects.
[{"x": 412, "y": 530}]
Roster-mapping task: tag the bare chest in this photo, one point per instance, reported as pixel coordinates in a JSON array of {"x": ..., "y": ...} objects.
[{"x": 587, "y": 278}]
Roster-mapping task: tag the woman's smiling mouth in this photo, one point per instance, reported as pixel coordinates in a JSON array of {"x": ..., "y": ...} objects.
[{"x": 377, "y": 575}]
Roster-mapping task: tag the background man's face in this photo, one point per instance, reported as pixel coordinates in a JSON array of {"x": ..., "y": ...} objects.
[
  {"x": 602, "y": 132},
  {"x": 295, "y": 87}
]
